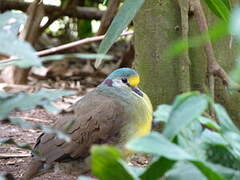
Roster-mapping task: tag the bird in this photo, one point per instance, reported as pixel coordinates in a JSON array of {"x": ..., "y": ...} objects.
[{"x": 115, "y": 112}]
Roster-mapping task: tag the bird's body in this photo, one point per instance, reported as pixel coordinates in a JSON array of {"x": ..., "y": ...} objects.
[{"x": 114, "y": 113}]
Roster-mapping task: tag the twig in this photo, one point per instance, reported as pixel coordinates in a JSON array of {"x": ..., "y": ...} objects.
[
  {"x": 32, "y": 119},
  {"x": 203, "y": 27},
  {"x": 214, "y": 69},
  {"x": 66, "y": 46},
  {"x": 14, "y": 155}
]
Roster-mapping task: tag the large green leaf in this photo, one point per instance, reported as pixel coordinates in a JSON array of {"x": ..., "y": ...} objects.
[
  {"x": 157, "y": 144},
  {"x": 220, "y": 8},
  {"x": 224, "y": 119},
  {"x": 162, "y": 147},
  {"x": 124, "y": 16},
  {"x": 184, "y": 113},
  {"x": 107, "y": 165}
]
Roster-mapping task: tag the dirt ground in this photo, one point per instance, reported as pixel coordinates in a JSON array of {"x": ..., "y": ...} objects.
[{"x": 15, "y": 160}]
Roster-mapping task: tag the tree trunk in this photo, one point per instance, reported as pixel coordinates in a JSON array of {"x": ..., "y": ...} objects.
[{"x": 157, "y": 25}]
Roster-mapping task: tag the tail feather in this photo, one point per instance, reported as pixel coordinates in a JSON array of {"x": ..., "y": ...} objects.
[{"x": 34, "y": 168}]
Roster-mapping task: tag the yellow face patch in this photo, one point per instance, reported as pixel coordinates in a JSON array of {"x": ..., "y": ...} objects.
[{"x": 133, "y": 80}]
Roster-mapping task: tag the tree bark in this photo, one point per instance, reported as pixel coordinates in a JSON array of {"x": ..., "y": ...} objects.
[{"x": 157, "y": 25}]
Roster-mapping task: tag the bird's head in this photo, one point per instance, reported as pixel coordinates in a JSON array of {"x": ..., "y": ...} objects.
[{"x": 124, "y": 78}]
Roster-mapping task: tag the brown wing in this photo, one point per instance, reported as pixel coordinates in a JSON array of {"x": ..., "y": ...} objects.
[{"x": 97, "y": 119}]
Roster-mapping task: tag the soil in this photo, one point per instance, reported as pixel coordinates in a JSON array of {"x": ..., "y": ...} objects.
[{"x": 17, "y": 165}]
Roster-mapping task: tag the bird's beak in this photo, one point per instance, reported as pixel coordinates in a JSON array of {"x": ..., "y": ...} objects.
[{"x": 137, "y": 90}]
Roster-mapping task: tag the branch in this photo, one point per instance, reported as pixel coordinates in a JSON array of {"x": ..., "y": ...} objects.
[
  {"x": 108, "y": 16},
  {"x": 79, "y": 12},
  {"x": 184, "y": 61},
  {"x": 214, "y": 69},
  {"x": 66, "y": 46}
]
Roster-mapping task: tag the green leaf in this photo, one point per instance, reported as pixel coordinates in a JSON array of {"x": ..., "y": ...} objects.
[
  {"x": 10, "y": 21},
  {"x": 12, "y": 46},
  {"x": 215, "y": 32},
  {"x": 162, "y": 113},
  {"x": 235, "y": 73},
  {"x": 183, "y": 114},
  {"x": 223, "y": 148},
  {"x": 220, "y": 8},
  {"x": 157, "y": 169},
  {"x": 209, "y": 123},
  {"x": 6, "y": 176},
  {"x": 85, "y": 178},
  {"x": 162, "y": 147},
  {"x": 234, "y": 140},
  {"x": 235, "y": 23},
  {"x": 228, "y": 173},
  {"x": 224, "y": 119},
  {"x": 123, "y": 18},
  {"x": 183, "y": 170},
  {"x": 210, "y": 173},
  {"x": 107, "y": 165},
  {"x": 25, "y": 101},
  {"x": 58, "y": 57},
  {"x": 214, "y": 138}
]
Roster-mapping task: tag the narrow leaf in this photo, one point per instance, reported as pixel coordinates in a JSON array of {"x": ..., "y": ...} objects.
[
  {"x": 123, "y": 18},
  {"x": 220, "y": 8},
  {"x": 224, "y": 119},
  {"x": 58, "y": 57}
]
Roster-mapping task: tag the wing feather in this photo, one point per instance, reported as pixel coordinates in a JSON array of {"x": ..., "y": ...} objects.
[{"x": 96, "y": 120}]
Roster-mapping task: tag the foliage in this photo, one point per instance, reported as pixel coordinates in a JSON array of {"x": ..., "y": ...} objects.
[
  {"x": 221, "y": 8},
  {"x": 11, "y": 44},
  {"x": 190, "y": 145},
  {"x": 24, "y": 101},
  {"x": 75, "y": 55},
  {"x": 120, "y": 22}
]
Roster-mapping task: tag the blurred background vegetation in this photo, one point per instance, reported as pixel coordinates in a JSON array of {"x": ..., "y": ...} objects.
[{"x": 177, "y": 47}]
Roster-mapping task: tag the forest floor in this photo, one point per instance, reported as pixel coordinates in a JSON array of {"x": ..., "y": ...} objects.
[
  {"x": 82, "y": 79},
  {"x": 58, "y": 75},
  {"x": 15, "y": 160}
]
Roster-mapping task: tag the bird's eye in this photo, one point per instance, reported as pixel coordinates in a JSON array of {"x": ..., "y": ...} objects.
[{"x": 124, "y": 80}]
